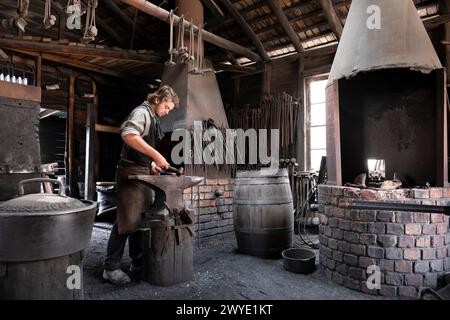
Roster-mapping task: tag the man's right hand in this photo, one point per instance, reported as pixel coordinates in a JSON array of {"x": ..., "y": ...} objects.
[{"x": 161, "y": 162}]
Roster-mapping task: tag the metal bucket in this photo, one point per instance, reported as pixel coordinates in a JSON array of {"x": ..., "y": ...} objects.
[{"x": 299, "y": 260}]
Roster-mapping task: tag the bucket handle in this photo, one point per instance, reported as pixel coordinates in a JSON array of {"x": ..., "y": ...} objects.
[{"x": 21, "y": 183}]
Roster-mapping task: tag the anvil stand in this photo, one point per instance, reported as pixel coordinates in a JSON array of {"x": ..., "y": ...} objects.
[{"x": 167, "y": 230}]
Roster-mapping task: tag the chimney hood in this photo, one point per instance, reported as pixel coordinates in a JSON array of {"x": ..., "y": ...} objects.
[
  {"x": 401, "y": 42},
  {"x": 199, "y": 94}
]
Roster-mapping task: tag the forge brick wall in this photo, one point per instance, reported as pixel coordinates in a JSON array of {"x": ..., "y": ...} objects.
[
  {"x": 410, "y": 248},
  {"x": 213, "y": 214}
]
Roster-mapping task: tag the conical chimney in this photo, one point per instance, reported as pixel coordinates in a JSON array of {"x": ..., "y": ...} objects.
[{"x": 382, "y": 34}]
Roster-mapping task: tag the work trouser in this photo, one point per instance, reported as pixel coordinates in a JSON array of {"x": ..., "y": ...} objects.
[{"x": 116, "y": 247}]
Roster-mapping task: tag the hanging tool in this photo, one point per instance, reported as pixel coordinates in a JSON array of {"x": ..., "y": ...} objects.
[
  {"x": 49, "y": 19},
  {"x": 90, "y": 31},
  {"x": 183, "y": 53},
  {"x": 172, "y": 51},
  {"x": 199, "y": 68}
]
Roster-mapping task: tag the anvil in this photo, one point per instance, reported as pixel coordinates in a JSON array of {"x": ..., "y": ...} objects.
[{"x": 172, "y": 188}]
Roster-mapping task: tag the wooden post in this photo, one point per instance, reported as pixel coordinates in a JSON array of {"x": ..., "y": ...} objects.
[
  {"x": 91, "y": 142},
  {"x": 61, "y": 26},
  {"x": 38, "y": 71},
  {"x": 267, "y": 79},
  {"x": 237, "y": 83},
  {"x": 70, "y": 135},
  {"x": 300, "y": 138}
]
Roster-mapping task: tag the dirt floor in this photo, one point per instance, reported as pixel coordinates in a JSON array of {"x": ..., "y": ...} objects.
[{"x": 220, "y": 273}]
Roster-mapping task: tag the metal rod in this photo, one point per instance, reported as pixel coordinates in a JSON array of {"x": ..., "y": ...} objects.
[{"x": 395, "y": 206}]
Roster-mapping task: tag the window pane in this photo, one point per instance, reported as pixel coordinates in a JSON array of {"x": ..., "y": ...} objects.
[
  {"x": 318, "y": 114},
  {"x": 318, "y": 138},
  {"x": 316, "y": 157},
  {"x": 318, "y": 91}
]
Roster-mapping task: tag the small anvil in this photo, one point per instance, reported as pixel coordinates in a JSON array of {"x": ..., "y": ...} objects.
[{"x": 169, "y": 189}]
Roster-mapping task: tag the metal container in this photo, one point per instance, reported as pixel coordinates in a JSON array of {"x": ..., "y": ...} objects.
[
  {"x": 299, "y": 260},
  {"x": 42, "y": 237}
]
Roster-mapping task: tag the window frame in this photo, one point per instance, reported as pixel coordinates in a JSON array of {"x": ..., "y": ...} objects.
[{"x": 307, "y": 126}]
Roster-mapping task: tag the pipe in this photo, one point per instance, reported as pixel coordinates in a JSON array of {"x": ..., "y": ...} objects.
[{"x": 163, "y": 15}]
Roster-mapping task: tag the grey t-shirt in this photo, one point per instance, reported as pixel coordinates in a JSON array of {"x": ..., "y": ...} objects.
[{"x": 136, "y": 122}]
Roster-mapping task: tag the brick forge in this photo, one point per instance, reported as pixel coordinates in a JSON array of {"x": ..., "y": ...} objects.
[
  {"x": 213, "y": 212},
  {"x": 411, "y": 249}
]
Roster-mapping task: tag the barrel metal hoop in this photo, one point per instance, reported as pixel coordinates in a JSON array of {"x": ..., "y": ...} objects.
[
  {"x": 262, "y": 231},
  {"x": 263, "y": 202}
]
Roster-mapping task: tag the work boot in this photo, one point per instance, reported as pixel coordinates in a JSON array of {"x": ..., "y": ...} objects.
[{"x": 116, "y": 276}]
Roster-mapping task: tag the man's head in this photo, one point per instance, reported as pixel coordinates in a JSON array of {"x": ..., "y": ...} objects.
[{"x": 164, "y": 100}]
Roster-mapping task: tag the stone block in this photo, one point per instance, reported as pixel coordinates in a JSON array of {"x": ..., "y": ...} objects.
[
  {"x": 423, "y": 242},
  {"x": 429, "y": 229},
  {"x": 438, "y": 241},
  {"x": 344, "y": 224},
  {"x": 368, "y": 215},
  {"x": 365, "y": 262},
  {"x": 437, "y": 265},
  {"x": 436, "y": 218},
  {"x": 395, "y": 228},
  {"x": 420, "y": 217},
  {"x": 351, "y": 237},
  {"x": 406, "y": 241},
  {"x": 404, "y": 217},
  {"x": 350, "y": 259},
  {"x": 411, "y": 254},
  {"x": 413, "y": 229},
  {"x": 357, "y": 273},
  {"x": 368, "y": 239},
  {"x": 387, "y": 240},
  {"x": 420, "y": 193},
  {"x": 388, "y": 291},
  {"x": 358, "y": 249},
  {"x": 387, "y": 265},
  {"x": 428, "y": 254},
  {"x": 393, "y": 278},
  {"x": 375, "y": 252},
  {"x": 422, "y": 266},
  {"x": 403, "y": 266},
  {"x": 376, "y": 227},
  {"x": 394, "y": 253},
  {"x": 386, "y": 216},
  {"x": 409, "y": 292},
  {"x": 414, "y": 280},
  {"x": 430, "y": 280}
]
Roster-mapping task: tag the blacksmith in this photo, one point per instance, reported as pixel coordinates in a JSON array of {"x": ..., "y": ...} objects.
[{"x": 140, "y": 133}]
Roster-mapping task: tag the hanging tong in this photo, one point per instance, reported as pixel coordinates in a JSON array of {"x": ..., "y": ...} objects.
[
  {"x": 172, "y": 51},
  {"x": 182, "y": 53},
  {"x": 199, "y": 69}
]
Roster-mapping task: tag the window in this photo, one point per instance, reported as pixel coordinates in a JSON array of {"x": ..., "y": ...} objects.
[{"x": 316, "y": 141}]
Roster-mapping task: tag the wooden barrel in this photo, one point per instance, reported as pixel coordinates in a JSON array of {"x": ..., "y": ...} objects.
[{"x": 263, "y": 212}]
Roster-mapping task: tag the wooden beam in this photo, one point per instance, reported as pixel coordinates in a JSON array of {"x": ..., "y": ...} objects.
[
  {"x": 38, "y": 70},
  {"x": 91, "y": 142},
  {"x": 214, "y": 8},
  {"x": 332, "y": 17},
  {"x": 78, "y": 50},
  {"x": 79, "y": 64},
  {"x": 70, "y": 136},
  {"x": 300, "y": 153},
  {"x": 233, "y": 68},
  {"x": 246, "y": 28},
  {"x": 163, "y": 15},
  {"x": 287, "y": 27},
  {"x": 107, "y": 129}
]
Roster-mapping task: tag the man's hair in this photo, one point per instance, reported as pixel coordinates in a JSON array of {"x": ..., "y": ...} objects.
[{"x": 164, "y": 93}]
